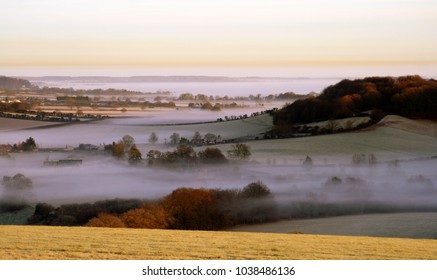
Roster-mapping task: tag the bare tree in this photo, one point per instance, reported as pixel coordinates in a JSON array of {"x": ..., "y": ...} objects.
[{"x": 153, "y": 138}]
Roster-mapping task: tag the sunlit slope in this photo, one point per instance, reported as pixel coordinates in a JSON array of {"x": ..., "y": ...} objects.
[
  {"x": 226, "y": 129},
  {"x": 400, "y": 140},
  {"x": 28, "y": 242}
]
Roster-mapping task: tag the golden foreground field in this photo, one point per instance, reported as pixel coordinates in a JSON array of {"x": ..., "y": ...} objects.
[{"x": 39, "y": 242}]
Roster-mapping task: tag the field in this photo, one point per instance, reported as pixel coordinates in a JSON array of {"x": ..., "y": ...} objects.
[
  {"x": 24, "y": 242},
  {"x": 401, "y": 140},
  {"x": 405, "y": 225},
  {"x": 403, "y": 176},
  {"x": 16, "y": 124}
]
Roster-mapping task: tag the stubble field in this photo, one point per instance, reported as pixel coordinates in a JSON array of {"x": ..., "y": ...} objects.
[{"x": 38, "y": 242}]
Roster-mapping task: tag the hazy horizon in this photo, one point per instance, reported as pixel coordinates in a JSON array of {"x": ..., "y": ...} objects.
[
  {"x": 320, "y": 72},
  {"x": 218, "y": 34}
]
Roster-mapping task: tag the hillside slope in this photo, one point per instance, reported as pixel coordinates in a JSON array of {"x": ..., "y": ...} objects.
[{"x": 37, "y": 242}]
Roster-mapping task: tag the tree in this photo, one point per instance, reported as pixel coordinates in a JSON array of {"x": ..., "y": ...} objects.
[
  {"x": 118, "y": 149},
  {"x": 206, "y": 106},
  {"x": 212, "y": 155},
  {"x": 197, "y": 138},
  {"x": 175, "y": 138},
  {"x": 191, "y": 209},
  {"x": 210, "y": 138},
  {"x": 128, "y": 142},
  {"x": 153, "y": 138},
  {"x": 255, "y": 190},
  {"x": 153, "y": 156},
  {"x": 29, "y": 144},
  {"x": 16, "y": 191},
  {"x": 149, "y": 216},
  {"x": 240, "y": 151},
  {"x": 134, "y": 155},
  {"x": 17, "y": 182}
]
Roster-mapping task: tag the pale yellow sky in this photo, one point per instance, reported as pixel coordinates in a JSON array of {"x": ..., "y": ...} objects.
[{"x": 218, "y": 33}]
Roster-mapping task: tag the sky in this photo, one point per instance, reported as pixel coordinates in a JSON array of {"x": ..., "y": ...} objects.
[{"x": 218, "y": 34}]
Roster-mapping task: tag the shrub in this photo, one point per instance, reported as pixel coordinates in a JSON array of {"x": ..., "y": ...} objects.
[
  {"x": 149, "y": 216},
  {"x": 255, "y": 190},
  {"x": 106, "y": 220},
  {"x": 212, "y": 155}
]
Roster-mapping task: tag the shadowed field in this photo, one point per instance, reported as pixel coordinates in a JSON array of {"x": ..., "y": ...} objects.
[
  {"x": 35, "y": 242},
  {"x": 405, "y": 225}
]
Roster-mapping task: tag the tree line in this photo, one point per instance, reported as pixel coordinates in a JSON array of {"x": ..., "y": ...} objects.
[
  {"x": 183, "y": 208},
  {"x": 183, "y": 155},
  {"x": 408, "y": 96}
]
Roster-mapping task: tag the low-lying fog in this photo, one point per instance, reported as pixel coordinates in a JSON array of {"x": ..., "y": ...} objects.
[{"x": 409, "y": 183}]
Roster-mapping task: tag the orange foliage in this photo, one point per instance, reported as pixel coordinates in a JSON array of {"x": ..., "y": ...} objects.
[
  {"x": 149, "y": 216},
  {"x": 106, "y": 220},
  {"x": 191, "y": 209}
]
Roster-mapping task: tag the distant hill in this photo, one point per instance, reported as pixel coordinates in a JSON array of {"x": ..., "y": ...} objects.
[
  {"x": 408, "y": 96},
  {"x": 13, "y": 83}
]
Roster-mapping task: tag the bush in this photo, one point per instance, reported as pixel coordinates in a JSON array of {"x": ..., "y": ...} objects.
[
  {"x": 149, "y": 216},
  {"x": 42, "y": 212},
  {"x": 106, "y": 220},
  {"x": 212, "y": 155},
  {"x": 255, "y": 190}
]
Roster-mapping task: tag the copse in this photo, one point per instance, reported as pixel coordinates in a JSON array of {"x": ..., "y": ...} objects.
[
  {"x": 408, "y": 96},
  {"x": 185, "y": 156}
]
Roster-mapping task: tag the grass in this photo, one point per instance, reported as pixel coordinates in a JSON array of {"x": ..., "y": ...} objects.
[
  {"x": 409, "y": 225},
  {"x": 39, "y": 242},
  {"x": 387, "y": 143}
]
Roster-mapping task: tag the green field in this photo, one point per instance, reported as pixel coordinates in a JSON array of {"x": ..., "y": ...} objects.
[
  {"x": 387, "y": 143},
  {"x": 405, "y": 225}
]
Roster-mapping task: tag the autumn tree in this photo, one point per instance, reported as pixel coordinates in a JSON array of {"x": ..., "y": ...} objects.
[
  {"x": 134, "y": 155},
  {"x": 106, "y": 220},
  {"x": 118, "y": 150},
  {"x": 191, "y": 209},
  {"x": 149, "y": 216}
]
